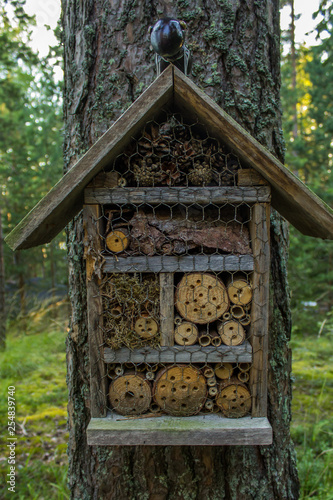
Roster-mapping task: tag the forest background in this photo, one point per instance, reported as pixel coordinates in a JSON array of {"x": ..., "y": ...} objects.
[{"x": 33, "y": 284}]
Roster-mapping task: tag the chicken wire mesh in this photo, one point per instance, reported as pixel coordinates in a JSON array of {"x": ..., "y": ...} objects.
[
  {"x": 171, "y": 152},
  {"x": 179, "y": 286}
]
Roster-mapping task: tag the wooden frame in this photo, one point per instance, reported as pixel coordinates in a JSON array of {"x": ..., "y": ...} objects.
[
  {"x": 98, "y": 380},
  {"x": 213, "y": 429}
]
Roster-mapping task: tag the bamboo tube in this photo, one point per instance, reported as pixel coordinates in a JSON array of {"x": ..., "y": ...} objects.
[
  {"x": 215, "y": 339},
  {"x": 244, "y": 367},
  {"x": 212, "y": 391},
  {"x": 211, "y": 381},
  {"x": 237, "y": 311},
  {"x": 243, "y": 376},
  {"x": 224, "y": 371},
  {"x": 117, "y": 241},
  {"x": 130, "y": 366},
  {"x": 178, "y": 319},
  {"x": 154, "y": 408},
  {"x": 150, "y": 375},
  {"x": 226, "y": 316},
  {"x": 116, "y": 312},
  {"x": 208, "y": 372},
  {"x": 204, "y": 339},
  {"x": 246, "y": 320},
  {"x": 119, "y": 370},
  {"x": 209, "y": 405},
  {"x": 122, "y": 182}
]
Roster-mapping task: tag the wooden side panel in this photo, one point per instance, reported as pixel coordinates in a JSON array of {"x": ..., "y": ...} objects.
[
  {"x": 167, "y": 309},
  {"x": 259, "y": 230},
  {"x": 98, "y": 379}
]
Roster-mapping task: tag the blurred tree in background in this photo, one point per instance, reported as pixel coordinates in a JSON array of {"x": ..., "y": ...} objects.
[
  {"x": 307, "y": 98},
  {"x": 30, "y": 151}
]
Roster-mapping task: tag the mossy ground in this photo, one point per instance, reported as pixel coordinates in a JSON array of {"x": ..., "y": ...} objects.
[
  {"x": 34, "y": 362},
  {"x": 312, "y": 426}
]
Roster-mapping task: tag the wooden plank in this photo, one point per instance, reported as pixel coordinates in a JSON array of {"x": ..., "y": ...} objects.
[
  {"x": 202, "y": 430},
  {"x": 167, "y": 309},
  {"x": 98, "y": 376},
  {"x": 65, "y": 199},
  {"x": 172, "y": 263},
  {"x": 181, "y": 354},
  {"x": 105, "y": 180},
  {"x": 295, "y": 201},
  {"x": 172, "y": 195},
  {"x": 250, "y": 177},
  {"x": 259, "y": 230}
]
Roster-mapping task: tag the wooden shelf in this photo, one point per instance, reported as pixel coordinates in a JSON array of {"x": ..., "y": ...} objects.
[
  {"x": 202, "y": 430},
  {"x": 180, "y": 354},
  {"x": 171, "y": 263},
  {"x": 172, "y": 195}
]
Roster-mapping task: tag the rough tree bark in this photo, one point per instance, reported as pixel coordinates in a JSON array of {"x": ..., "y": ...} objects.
[{"x": 108, "y": 63}]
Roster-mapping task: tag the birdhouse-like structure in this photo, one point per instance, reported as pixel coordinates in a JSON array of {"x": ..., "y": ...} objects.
[{"x": 176, "y": 198}]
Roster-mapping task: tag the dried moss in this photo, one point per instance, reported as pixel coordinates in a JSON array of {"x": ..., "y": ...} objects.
[{"x": 130, "y": 296}]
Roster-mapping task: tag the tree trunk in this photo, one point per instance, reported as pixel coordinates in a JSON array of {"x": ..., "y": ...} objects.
[
  {"x": 108, "y": 63},
  {"x": 293, "y": 66}
]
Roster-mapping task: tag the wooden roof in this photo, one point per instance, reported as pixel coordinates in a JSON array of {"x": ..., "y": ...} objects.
[{"x": 295, "y": 201}]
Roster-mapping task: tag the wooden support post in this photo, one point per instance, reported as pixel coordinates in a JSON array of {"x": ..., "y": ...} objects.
[
  {"x": 98, "y": 375},
  {"x": 167, "y": 309},
  {"x": 259, "y": 230}
]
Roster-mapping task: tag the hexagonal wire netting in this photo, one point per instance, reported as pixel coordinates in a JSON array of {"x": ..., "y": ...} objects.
[{"x": 177, "y": 286}]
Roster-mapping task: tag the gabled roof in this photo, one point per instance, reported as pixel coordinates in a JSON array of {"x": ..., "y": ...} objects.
[{"x": 295, "y": 201}]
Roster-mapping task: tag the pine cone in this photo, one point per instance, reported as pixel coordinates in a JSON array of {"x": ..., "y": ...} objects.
[
  {"x": 201, "y": 175},
  {"x": 145, "y": 175}
]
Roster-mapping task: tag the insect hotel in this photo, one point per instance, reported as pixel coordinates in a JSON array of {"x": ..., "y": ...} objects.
[{"x": 176, "y": 200}]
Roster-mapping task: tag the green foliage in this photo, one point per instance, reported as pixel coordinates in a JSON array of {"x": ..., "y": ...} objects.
[
  {"x": 30, "y": 140},
  {"x": 309, "y": 155},
  {"x": 35, "y": 364},
  {"x": 312, "y": 414}
]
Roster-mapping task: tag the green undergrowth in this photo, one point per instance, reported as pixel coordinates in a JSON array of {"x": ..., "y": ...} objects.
[
  {"x": 34, "y": 362},
  {"x": 312, "y": 426}
]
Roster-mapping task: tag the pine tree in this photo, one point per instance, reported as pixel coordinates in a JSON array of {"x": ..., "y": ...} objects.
[{"x": 108, "y": 63}]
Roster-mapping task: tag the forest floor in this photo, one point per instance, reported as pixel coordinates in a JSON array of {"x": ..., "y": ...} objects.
[{"x": 34, "y": 363}]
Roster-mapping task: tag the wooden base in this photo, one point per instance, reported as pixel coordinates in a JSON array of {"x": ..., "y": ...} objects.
[{"x": 201, "y": 430}]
